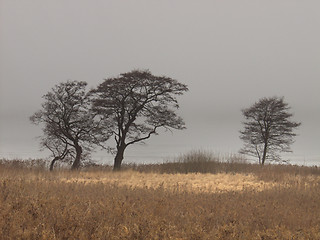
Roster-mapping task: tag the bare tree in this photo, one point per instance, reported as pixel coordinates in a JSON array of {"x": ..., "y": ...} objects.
[
  {"x": 268, "y": 129},
  {"x": 58, "y": 149},
  {"x": 69, "y": 125},
  {"x": 136, "y": 105}
]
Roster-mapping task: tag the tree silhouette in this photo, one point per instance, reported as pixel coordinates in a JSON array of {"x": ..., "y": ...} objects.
[
  {"x": 136, "y": 104},
  {"x": 58, "y": 148},
  {"x": 69, "y": 125},
  {"x": 268, "y": 129}
]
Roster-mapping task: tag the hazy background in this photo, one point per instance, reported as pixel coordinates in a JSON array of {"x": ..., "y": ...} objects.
[{"x": 229, "y": 52}]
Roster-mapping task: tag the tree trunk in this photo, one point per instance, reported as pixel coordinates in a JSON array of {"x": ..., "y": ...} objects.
[
  {"x": 264, "y": 153},
  {"x": 76, "y": 163},
  {"x": 118, "y": 158},
  {"x": 52, "y": 163}
]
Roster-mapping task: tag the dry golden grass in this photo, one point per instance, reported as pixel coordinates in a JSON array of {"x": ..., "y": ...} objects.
[
  {"x": 265, "y": 204},
  {"x": 191, "y": 182}
]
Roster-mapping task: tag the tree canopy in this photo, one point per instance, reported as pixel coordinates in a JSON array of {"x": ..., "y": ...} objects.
[
  {"x": 69, "y": 125},
  {"x": 135, "y": 105}
]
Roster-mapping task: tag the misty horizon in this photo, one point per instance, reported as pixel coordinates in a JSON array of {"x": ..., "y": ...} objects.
[{"x": 230, "y": 54}]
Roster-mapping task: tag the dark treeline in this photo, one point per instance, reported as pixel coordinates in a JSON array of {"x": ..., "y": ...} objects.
[{"x": 132, "y": 107}]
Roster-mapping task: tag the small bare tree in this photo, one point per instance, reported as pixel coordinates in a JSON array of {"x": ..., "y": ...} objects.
[
  {"x": 136, "y": 105},
  {"x": 268, "y": 129},
  {"x": 69, "y": 125},
  {"x": 59, "y": 148}
]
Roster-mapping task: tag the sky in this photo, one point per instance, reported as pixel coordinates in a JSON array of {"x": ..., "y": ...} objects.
[{"x": 230, "y": 53}]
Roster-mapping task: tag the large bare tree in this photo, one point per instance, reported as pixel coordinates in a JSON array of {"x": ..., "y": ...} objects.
[
  {"x": 69, "y": 125},
  {"x": 268, "y": 129},
  {"x": 136, "y": 105}
]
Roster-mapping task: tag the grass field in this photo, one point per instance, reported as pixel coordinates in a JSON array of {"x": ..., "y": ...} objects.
[{"x": 233, "y": 200}]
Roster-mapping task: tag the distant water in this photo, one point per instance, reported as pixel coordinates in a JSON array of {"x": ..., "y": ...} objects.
[
  {"x": 147, "y": 154},
  {"x": 153, "y": 157}
]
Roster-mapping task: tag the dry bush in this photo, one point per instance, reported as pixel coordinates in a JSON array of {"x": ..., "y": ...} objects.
[
  {"x": 198, "y": 162},
  {"x": 35, "y": 164},
  {"x": 205, "y": 162},
  {"x": 60, "y": 205}
]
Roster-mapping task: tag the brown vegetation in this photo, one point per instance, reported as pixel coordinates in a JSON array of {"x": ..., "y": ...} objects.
[{"x": 273, "y": 202}]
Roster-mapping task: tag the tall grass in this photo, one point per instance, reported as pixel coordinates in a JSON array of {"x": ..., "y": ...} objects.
[
  {"x": 206, "y": 162},
  {"x": 161, "y": 201},
  {"x": 39, "y": 205}
]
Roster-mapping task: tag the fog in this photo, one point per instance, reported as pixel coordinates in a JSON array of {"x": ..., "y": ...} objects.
[{"x": 230, "y": 54}]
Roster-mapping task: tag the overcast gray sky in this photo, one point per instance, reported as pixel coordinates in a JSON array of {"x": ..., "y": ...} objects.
[{"x": 229, "y": 52}]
